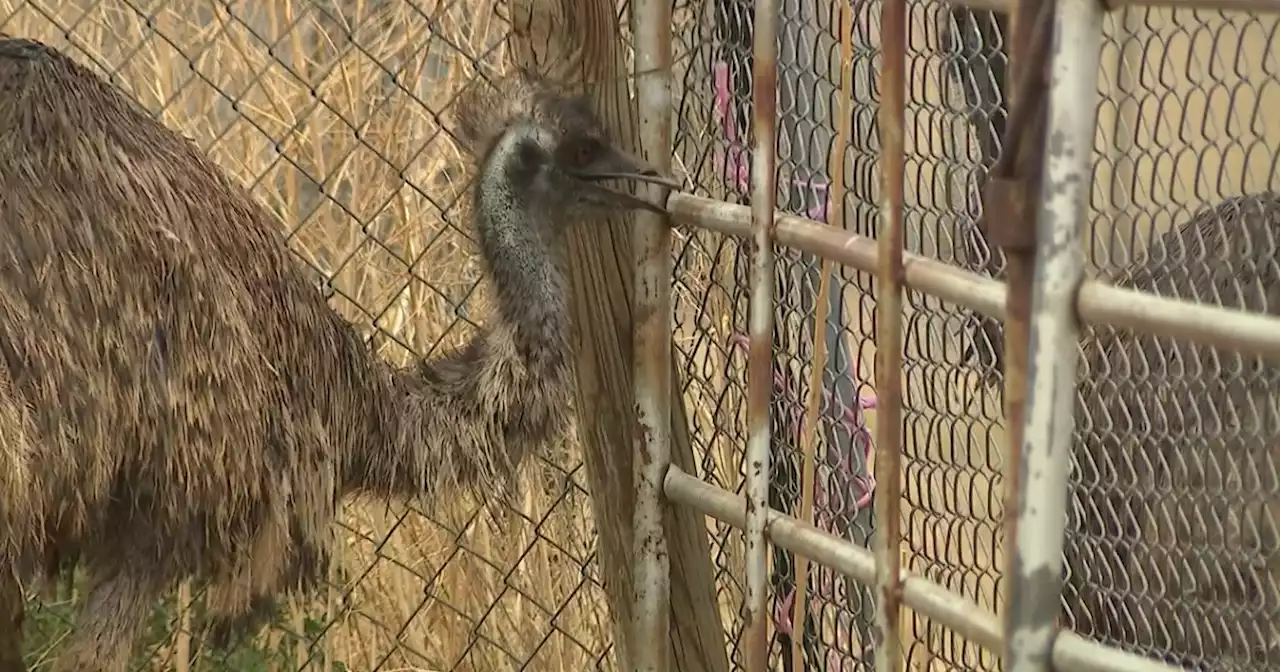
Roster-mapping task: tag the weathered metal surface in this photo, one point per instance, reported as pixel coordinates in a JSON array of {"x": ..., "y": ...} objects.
[
  {"x": 889, "y": 342},
  {"x": 1071, "y": 653},
  {"x": 1035, "y": 581},
  {"x": 760, "y": 332},
  {"x": 651, "y": 646},
  {"x": 1097, "y": 303},
  {"x": 1009, "y": 219},
  {"x": 1005, "y": 216}
]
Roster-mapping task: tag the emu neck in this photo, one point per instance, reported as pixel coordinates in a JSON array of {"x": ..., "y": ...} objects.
[
  {"x": 464, "y": 421},
  {"x": 517, "y": 250}
]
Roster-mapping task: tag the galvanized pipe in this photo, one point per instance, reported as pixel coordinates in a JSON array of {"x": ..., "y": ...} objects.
[
  {"x": 764, "y": 76},
  {"x": 1097, "y": 303},
  {"x": 1071, "y": 652},
  {"x": 888, "y": 373},
  {"x": 651, "y": 614},
  {"x": 1035, "y": 582}
]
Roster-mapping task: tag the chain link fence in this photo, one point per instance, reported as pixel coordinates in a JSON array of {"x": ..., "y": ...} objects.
[
  {"x": 333, "y": 112},
  {"x": 1173, "y": 549},
  {"x": 952, "y": 433}
]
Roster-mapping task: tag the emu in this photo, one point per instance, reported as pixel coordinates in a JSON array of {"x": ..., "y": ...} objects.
[
  {"x": 1174, "y": 546},
  {"x": 177, "y": 400}
]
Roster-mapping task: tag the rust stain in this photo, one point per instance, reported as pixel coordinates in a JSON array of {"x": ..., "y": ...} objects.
[
  {"x": 889, "y": 336},
  {"x": 1021, "y": 164},
  {"x": 759, "y": 384}
]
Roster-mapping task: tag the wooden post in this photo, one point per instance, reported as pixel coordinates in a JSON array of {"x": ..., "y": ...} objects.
[{"x": 577, "y": 43}]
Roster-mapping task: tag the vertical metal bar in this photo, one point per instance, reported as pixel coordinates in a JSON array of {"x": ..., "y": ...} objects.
[
  {"x": 651, "y": 644},
  {"x": 888, "y": 374},
  {"x": 1010, "y": 221},
  {"x": 1036, "y": 582},
  {"x": 764, "y": 77}
]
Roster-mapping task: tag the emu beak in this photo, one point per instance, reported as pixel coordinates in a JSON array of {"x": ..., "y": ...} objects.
[{"x": 615, "y": 164}]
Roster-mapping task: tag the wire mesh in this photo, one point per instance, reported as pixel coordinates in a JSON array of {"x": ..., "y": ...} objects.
[
  {"x": 951, "y": 440},
  {"x": 1172, "y": 549},
  {"x": 332, "y": 114}
]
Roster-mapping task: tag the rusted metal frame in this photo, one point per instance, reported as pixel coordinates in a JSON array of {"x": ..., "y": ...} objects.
[
  {"x": 651, "y": 615},
  {"x": 1008, "y": 222},
  {"x": 731, "y": 75},
  {"x": 764, "y": 76},
  {"x": 985, "y": 82},
  {"x": 888, "y": 319},
  {"x": 1071, "y": 652},
  {"x": 1097, "y": 303},
  {"x": 1033, "y": 21},
  {"x": 1254, "y": 6},
  {"x": 1035, "y": 581}
]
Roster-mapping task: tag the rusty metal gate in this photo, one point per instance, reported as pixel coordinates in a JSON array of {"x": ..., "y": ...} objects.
[{"x": 1143, "y": 407}]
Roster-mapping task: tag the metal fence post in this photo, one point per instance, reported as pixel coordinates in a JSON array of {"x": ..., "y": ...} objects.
[
  {"x": 889, "y": 341},
  {"x": 764, "y": 74},
  {"x": 1036, "y": 579},
  {"x": 652, "y": 359}
]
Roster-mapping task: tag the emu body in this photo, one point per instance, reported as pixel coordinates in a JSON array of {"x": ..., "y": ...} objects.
[{"x": 177, "y": 400}]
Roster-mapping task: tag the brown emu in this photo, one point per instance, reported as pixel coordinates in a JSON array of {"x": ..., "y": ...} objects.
[
  {"x": 1174, "y": 547},
  {"x": 177, "y": 399}
]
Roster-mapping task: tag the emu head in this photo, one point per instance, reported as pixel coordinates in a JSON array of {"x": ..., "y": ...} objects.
[{"x": 554, "y": 153}]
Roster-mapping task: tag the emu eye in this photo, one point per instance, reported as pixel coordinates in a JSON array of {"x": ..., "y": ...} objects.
[{"x": 584, "y": 151}]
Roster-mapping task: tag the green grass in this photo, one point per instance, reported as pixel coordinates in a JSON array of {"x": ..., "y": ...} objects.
[{"x": 51, "y": 618}]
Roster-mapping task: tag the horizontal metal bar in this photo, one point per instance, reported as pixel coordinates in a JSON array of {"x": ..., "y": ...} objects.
[
  {"x": 1252, "y": 6},
  {"x": 927, "y": 275},
  {"x": 1005, "y": 6},
  {"x": 1252, "y": 333},
  {"x": 1071, "y": 652},
  {"x": 1074, "y": 653},
  {"x": 1097, "y": 303}
]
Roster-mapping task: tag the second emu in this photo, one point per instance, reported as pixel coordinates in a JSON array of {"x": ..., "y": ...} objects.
[
  {"x": 1173, "y": 549},
  {"x": 177, "y": 400}
]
